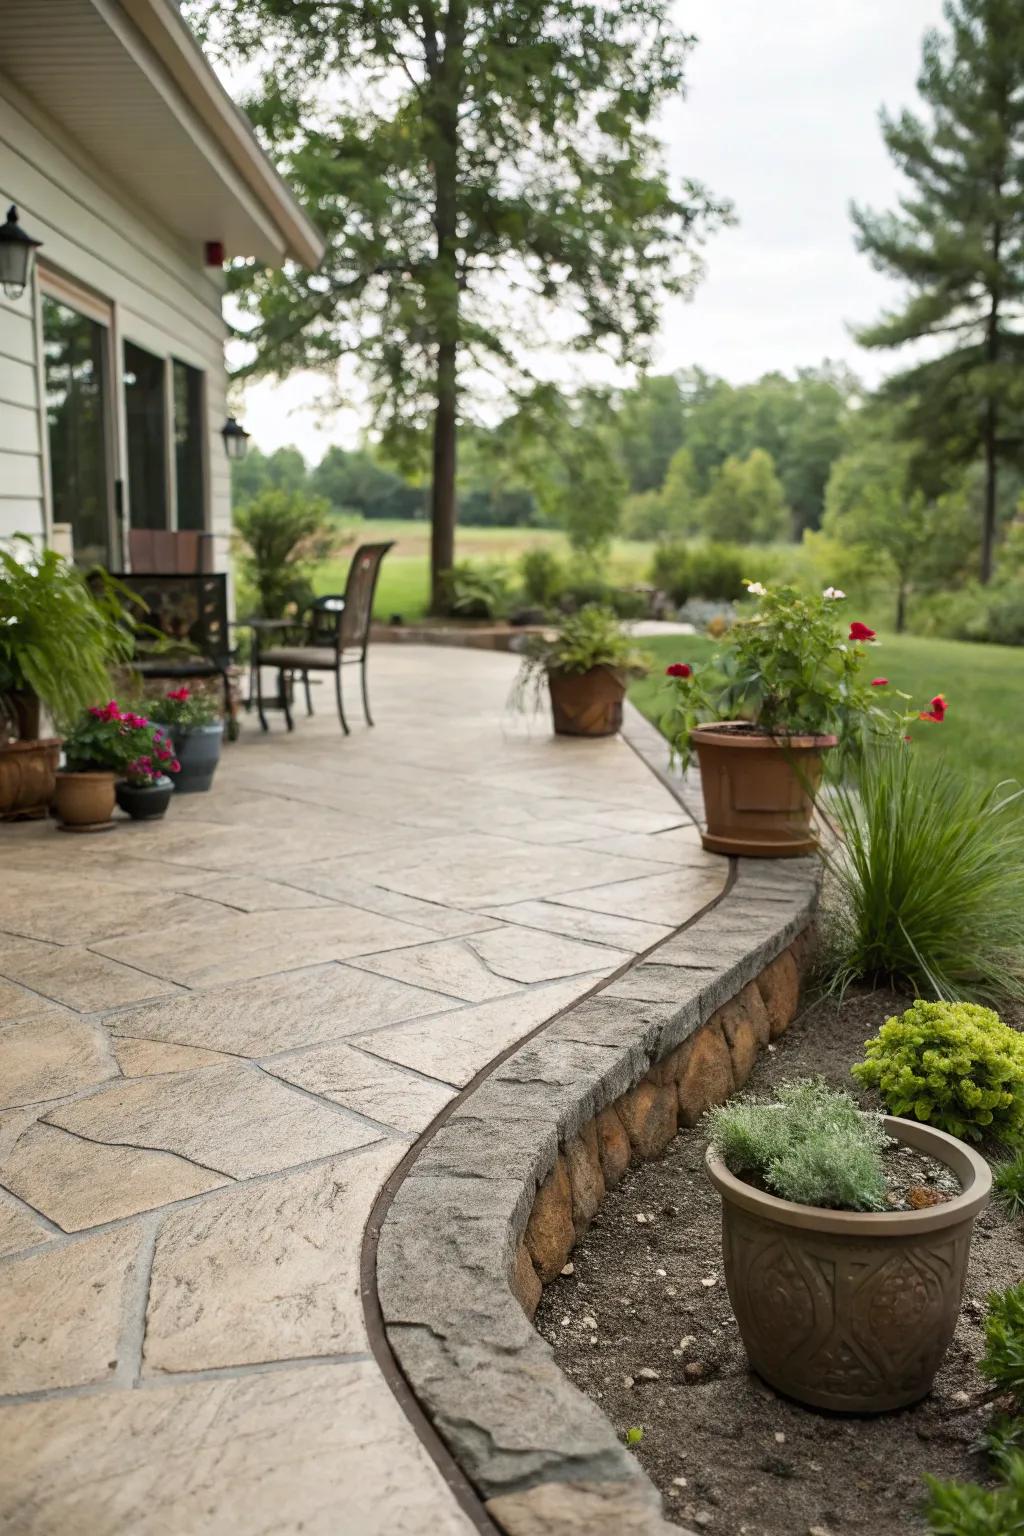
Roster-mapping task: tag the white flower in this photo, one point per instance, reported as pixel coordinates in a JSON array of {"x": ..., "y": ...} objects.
[
  {"x": 833, "y": 592},
  {"x": 756, "y": 589}
]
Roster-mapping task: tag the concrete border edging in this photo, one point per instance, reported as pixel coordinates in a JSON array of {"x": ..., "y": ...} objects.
[{"x": 453, "y": 1269}]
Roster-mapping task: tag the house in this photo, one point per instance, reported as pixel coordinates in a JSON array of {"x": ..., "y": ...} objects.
[{"x": 131, "y": 165}]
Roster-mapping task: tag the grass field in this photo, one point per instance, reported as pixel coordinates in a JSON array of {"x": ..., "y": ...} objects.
[
  {"x": 404, "y": 575},
  {"x": 983, "y": 732}
]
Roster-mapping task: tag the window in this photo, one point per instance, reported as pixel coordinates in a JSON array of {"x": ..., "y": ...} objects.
[
  {"x": 146, "y": 420},
  {"x": 77, "y": 401},
  {"x": 188, "y": 446}
]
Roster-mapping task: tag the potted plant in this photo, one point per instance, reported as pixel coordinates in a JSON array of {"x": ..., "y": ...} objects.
[
  {"x": 846, "y": 1285},
  {"x": 146, "y": 789},
  {"x": 58, "y": 639},
  {"x": 193, "y": 723},
  {"x": 785, "y": 688},
  {"x": 586, "y": 665}
]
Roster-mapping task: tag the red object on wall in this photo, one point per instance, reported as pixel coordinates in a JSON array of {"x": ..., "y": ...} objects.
[{"x": 213, "y": 253}]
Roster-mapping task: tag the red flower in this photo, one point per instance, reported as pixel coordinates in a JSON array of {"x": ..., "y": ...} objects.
[
  {"x": 179, "y": 695},
  {"x": 859, "y": 631},
  {"x": 879, "y": 682},
  {"x": 937, "y": 711},
  {"x": 679, "y": 669},
  {"x": 174, "y": 767}
]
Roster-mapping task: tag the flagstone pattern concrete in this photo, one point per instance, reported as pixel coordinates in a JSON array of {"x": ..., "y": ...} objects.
[{"x": 220, "y": 1033}]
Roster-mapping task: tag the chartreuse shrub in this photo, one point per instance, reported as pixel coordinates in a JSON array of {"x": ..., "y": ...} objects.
[
  {"x": 927, "y": 881},
  {"x": 965, "y": 1509},
  {"x": 956, "y": 1066},
  {"x": 811, "y": 1144}
]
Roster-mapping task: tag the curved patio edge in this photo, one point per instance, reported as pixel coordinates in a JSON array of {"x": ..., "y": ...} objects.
[{"x": 480, "y": 1219}]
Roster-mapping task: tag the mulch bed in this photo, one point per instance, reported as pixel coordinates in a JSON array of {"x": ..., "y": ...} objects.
[{"x": 643, "y": 1326}]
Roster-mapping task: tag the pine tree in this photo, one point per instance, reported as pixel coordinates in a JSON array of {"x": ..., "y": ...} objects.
[
  {"x": 488, "y": 181},
  {"x": 958, "y": 241}
]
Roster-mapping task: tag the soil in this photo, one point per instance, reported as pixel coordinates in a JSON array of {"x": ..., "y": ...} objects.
[{"x": 642, "y": 1324}]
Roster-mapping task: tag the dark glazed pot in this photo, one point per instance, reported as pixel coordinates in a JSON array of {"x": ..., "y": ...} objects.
[
  {"x": 850, "y": 1310},
  {"x": 197, "y": 748},
  {"x": 587, "y": 703},
  {"x": 758, "y": 790},
  {"x": 145, "y": 802}
]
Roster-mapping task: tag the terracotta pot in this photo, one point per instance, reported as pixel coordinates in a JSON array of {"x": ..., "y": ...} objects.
[
  {"x": 850, "y": 1310},
  {"x": 587, "y": 703},
  {"x": 758, "y": 790},
  {"x": 28, "y": 777},
  {"x": 84, "y": 802}
]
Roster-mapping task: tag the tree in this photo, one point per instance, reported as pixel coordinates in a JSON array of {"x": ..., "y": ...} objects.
[
  {"x": 680, "y": 492},
  {"x": 355, "y": 481},
  {"x": 746, "y": 504},
  {"x": 650, "y": 429},
  {"x": 283, "y": 470},
  {"x": 478, "y": 167},
  {"x": 958, "y": 241}
]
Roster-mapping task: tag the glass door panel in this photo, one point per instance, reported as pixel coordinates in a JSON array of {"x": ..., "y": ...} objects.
[
  {"x": 146, "y": 422},
  {"x": 77, "y": 399},
  {"x": 188, "y": 446}
]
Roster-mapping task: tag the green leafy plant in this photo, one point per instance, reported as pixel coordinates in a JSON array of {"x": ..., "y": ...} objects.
[
  {"x": 1008, "y": 1184},
  {"x": 476, "y": 590},
  {"x": 634, "y": 1435},
  {"x": 927, "y": 881},
  {"x": 108, "y": 739},
  {"x": 713, "y": 571},
  {"x": 792, "y": 668},
  {"x": 586, "y": 640},
  {"x": 1003, "y": 1361},
  {"x": 59, "y": 636},
  {"x": 181, "y": 708},
  {"x": 956, "y": 1066},
  {"x": 967, "y": 1509},
  {"x": 543, "y": 576},
  {"x": 281, "y": 537},
  {"x": 811, "y": 1145}
]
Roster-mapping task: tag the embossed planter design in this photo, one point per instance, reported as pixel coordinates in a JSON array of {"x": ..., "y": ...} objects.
[
  {"x": 850, "y": 1310},
  {"x": 587, "y": 703}
]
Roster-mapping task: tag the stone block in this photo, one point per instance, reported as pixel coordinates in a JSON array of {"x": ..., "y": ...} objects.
[
  {"x": 613, "y": 1146},
  {"x": 582, "y": 1509},
  {"x": 585, "y": 1177},
  {"x": 757, "y": 1013},
  {"x": 525, "y": 1281},
  {"x": 779, "y": 985},
  {"x": 550, "y": 1233},
  {"x": 708, "y": 1078},
  {"x": 648, "y": 1113}
]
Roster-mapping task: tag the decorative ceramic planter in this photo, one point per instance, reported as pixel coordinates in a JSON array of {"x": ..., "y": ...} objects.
[
  {"x": 145, "y": 802},
  {"x": 84, "y": 802},
  {"x": 28, "y": 777},
  {"x": 587, "y": 703},
  {"x": 197, "y": 748},
  {"x": 758, "y": 790},
  {"x": 850, "y": 1310}
]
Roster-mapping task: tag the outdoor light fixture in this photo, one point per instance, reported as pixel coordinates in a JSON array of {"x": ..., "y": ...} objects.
[
  {"x": 16, "y": 252},
  {"x": 236, "y": 439}
]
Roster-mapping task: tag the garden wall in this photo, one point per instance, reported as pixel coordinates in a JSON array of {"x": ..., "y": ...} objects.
[{"x": 496, "y": 1198}]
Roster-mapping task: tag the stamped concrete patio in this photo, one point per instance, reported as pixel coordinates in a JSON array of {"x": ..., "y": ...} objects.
[{"x": 219, "y": 1034}]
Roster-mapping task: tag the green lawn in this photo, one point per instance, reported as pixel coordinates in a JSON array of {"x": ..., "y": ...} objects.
[
  {"x": 402, "y": 587},
  {"x": 984, "y": 687}
]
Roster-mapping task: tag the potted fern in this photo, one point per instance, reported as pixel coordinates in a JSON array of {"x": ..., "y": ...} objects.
[
  {"x": 845, "y": 1282},
  {"x": 586, "y": 665},
  {"x": 58, "y": 640}
]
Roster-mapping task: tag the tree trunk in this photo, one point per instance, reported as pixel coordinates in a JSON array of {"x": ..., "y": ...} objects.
[
  {"x": 446, "y": 74},
  {"x": 901, "y": 607},
  {"x": 988, "y": 526}
]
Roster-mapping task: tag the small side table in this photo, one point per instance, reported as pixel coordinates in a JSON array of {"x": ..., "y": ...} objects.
[{"x": 260, "y": 626}]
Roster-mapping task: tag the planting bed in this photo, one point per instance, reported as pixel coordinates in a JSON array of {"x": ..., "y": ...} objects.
[{"x": 643, "y": 1325}]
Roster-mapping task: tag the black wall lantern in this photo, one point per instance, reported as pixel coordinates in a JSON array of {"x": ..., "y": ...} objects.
[
  {"x": 16, "y": 252},
  {"x": 236, "y": 439}
]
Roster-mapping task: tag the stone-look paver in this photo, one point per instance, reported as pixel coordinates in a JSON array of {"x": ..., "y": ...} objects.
[{"x": 218, "y": 1036}]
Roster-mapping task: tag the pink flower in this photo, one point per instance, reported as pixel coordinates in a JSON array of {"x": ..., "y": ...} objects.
[
  {"x": 179, "y": 695},
  {"x": 174, "y": 766},
  {"x": 879, "y": 682},
  {"x": 679, "y": 669}
]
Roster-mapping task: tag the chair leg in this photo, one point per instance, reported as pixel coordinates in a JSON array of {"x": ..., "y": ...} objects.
[
  {"x": 309, "y": 697},
  {"x": 258, "y": 676},
  {"x": 282, "y": 692},
  {"x": 341, "y": 705},
  {"x": 366, "y": 696}
]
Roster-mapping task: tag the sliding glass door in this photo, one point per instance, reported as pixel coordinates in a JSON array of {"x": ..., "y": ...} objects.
[
  {"x": 190, "y": 487},
  {"x": 145, "y": 397},
  {"x": 77, "y": 371}
]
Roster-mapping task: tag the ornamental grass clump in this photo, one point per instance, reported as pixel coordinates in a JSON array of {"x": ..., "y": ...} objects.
[
  {"x": 955, "y": 1066},
  {"x": 811, "y": 1145},
  {"x": 926, "y": 882}
]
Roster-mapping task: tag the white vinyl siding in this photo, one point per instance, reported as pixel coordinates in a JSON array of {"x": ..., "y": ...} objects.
[{"x": 162, "y": 299}]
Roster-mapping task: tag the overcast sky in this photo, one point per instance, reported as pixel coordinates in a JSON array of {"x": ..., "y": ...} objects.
[{"x": 781, "y": 117}]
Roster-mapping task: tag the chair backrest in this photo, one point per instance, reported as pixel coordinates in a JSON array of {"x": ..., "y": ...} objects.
[
  {"x": 191, "y": 610},
  {"x": 359, "y": 590},
  {"x": 162, "y": 551}
]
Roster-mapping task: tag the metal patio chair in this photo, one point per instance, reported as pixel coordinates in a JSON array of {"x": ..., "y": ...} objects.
[{"x": 338, "y": 625}]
